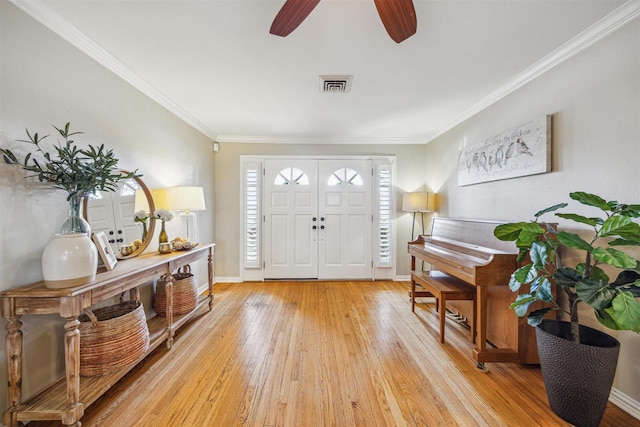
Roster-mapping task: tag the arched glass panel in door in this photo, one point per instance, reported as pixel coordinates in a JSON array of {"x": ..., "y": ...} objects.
[
  {"x": 345, "y": 176},
  {"x": 291, "y": 176}
]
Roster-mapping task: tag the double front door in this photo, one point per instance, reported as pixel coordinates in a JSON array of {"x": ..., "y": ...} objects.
[{"x": 318, "y": 220}]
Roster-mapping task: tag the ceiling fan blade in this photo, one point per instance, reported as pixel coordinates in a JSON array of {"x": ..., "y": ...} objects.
[
  {"x": 398, "y": 17},
  {"x": 291, "y": 15}
]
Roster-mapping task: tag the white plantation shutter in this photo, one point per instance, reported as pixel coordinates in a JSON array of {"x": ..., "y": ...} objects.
[
  {"x": 252, "y": 256},
  {"x": 383, "y": 191}
]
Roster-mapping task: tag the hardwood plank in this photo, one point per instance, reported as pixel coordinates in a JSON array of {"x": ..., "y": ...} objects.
[{"x": 324, "y": 354}]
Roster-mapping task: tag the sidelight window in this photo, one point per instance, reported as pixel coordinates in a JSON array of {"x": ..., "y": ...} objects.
[
  {"x": 384, "y": 215},
  {"x": 252, "y": 215}
]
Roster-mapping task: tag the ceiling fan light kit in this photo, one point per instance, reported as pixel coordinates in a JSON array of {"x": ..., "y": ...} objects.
[{"x": 398, "y": 17}]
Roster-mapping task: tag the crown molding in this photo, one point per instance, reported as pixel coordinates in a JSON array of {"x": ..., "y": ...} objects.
[
  {"x": 599, "y": 30},
  {"x": 42, "y": 13},
  {"x": 331, "y": 140}
]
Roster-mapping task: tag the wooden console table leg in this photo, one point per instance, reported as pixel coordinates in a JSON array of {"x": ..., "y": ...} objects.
[
  {"x": 70, "y": 309},
  {"x": 169, "y": 313},
  {"x": 74, "y": 410},
  {"x": 14, "y": 365}
]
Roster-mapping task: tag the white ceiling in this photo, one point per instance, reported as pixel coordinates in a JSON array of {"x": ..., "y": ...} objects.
[{"x": 214, "y": 63}]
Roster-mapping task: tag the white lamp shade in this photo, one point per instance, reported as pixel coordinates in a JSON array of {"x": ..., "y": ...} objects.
[
  {"x": 418, "y": 202},
  {"x": 159, "y": 196},
  {"x": 185, "y": 198}
]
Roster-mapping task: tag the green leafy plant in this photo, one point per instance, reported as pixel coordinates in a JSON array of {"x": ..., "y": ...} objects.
[
  {"x": 540, "y": 245},
  {"x": 76, "y": 170}
]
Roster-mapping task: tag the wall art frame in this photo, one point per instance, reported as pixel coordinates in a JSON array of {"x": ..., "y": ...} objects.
[{"x": 521, "y": 151}]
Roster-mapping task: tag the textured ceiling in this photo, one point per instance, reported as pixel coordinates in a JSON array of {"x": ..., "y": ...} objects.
[{"x": 215, "y": 64}]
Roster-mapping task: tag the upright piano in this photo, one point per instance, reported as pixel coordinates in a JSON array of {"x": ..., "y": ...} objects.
[{"x": 468, "y": 250}]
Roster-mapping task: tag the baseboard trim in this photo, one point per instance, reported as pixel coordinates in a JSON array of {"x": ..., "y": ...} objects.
[
  {"x": 235, "y": 279},
  {"x": 625, "y": 402},
  {"x": 239, "y": 280}
]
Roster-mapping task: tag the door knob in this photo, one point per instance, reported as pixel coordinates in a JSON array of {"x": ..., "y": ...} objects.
[
  {"x": 322, "y": 227},
  {"x": 315, "y": 227}
]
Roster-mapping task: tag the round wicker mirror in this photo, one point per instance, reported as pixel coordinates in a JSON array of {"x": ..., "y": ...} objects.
[{"x": 139, "y": 185}]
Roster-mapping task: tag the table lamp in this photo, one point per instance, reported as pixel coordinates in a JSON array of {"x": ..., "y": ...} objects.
[{"x": 187, "y": 200}]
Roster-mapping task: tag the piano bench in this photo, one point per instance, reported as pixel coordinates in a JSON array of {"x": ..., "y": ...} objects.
[{"x": 443, "y": 287}]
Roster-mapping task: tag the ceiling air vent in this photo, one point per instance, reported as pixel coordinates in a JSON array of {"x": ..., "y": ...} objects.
[{"x": 335, "y": 84}]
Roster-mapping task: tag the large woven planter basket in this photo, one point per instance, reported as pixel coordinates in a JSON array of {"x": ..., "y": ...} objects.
[
  {"x": 185, "y": 293},
  {"x": 112, "y": 338}
]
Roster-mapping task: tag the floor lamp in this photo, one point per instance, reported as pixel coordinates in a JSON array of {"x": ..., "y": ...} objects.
[
  {"x": 187, "y": 200},
  {"x": 417, "y": 202}
]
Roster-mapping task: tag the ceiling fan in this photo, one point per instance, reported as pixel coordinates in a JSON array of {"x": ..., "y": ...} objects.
[{"x": 398, "y": 17}]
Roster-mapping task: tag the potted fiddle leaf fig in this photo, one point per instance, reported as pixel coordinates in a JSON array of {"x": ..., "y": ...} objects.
[{"x": 578, "y": 363}]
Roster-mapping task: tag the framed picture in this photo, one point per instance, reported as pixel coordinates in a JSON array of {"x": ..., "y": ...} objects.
[
  {"x": 104, "y": 249},
  {"x": 524, "y": 150}
]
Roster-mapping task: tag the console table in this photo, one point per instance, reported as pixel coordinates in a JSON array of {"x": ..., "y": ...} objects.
[{"x": 66, "y": 399}]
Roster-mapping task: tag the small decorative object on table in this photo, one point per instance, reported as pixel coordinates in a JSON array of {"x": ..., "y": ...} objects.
[
  {"x": 164, "y": 248},
  {"x": 163, "y": 215},
  {"x": 126, "y": 250},
  {"x": 180, "y": 244},
  {"x": 104, "y": 249}
]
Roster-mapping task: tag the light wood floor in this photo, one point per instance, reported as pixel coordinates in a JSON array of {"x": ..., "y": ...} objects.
[{"x": 324, "y": 354}]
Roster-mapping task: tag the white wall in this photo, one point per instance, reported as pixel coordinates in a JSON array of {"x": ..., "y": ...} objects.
[
  {"x": 45, "y": 81},
  {"x": 594, "y": 98}
]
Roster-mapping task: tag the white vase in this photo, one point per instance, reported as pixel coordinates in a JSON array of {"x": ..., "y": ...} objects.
[{"x": 69, "y": 260}]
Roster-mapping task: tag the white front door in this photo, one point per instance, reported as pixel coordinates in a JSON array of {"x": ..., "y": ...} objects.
[
  {"x": 345, "y": 213},
  {"x": 290, "y": 205},
  {"x": 317, "y": 219}
]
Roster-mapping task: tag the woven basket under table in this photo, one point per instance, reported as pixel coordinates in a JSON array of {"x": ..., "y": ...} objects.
[
  {"x": 112, "y": 338},
  {"x": 185, "y": 293}
]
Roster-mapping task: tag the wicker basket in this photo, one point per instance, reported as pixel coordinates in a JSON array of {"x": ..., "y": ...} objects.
[
  {"x": 185, "y": 293},
  {"x": 112, "y": 338}
]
